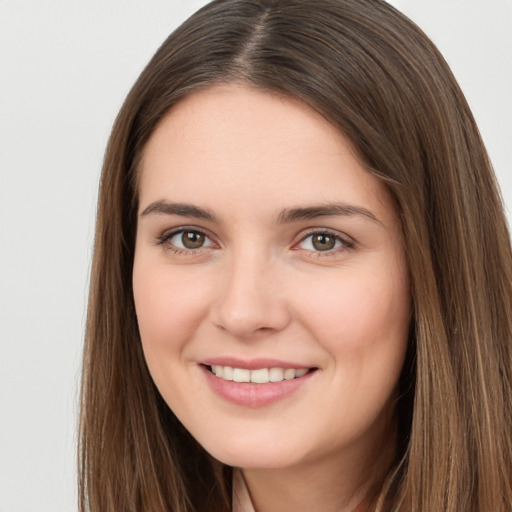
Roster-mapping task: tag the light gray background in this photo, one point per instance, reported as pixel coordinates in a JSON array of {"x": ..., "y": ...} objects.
[{"x": 65, "y": 67}]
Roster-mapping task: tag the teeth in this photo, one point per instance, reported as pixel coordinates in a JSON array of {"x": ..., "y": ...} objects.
[
  {"x": 289, "y": 374},
  {"x": 259, "y": 376},
  {"x": 275, "y": 374},
  {"x": 241, "y": 375}
]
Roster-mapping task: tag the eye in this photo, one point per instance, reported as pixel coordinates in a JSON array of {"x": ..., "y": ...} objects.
[
  {"x": 187, "y": 240},
  {"x": 324, "y": 241}
]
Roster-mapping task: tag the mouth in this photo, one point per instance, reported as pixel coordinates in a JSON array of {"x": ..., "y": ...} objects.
[
  {"x": 257, "y": 375},
  {"x": 257, "y": 382}
]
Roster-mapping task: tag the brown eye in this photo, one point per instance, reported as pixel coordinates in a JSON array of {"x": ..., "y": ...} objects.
[
  {"x": 188, "y": 240},
  {"x": 192, "y": 239},
  {"x": 323, "y": 242}
]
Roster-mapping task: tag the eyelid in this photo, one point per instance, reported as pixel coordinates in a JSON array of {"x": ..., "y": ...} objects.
[
  {"x": 167, "y": 235},
  {"x": 347, "y": 242}
]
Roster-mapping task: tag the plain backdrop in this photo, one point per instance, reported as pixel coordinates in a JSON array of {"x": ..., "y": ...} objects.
[{"x": 65, "y": 67}]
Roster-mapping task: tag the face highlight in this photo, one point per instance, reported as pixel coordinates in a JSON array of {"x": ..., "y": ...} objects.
[{"x": 270, "y": 282}]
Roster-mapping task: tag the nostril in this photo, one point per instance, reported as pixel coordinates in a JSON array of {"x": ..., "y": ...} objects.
[{"x": 263, "y": 329}]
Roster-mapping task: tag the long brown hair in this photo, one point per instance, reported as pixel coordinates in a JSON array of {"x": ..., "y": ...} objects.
[{"x": 372, "y": 73}]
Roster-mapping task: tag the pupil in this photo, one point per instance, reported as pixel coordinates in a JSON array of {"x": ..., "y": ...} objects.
[
  {"x": 192, "y": 239},
  {"x": 323, "y": 242}
]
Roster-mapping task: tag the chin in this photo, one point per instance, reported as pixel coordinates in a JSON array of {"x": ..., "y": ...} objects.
[{"x": 251, "y": 454}]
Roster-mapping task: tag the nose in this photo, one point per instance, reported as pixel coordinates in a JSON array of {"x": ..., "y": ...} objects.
[{"x": 250, "y": 299}]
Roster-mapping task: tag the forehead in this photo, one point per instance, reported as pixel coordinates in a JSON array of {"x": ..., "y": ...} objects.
[{"x": 257, "y": 149}]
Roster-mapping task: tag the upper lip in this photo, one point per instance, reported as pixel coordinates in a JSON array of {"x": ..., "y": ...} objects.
[{"x": 252, "y": 364}]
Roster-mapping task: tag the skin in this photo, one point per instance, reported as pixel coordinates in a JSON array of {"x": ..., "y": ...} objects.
[{"x": 259, "y": 288}]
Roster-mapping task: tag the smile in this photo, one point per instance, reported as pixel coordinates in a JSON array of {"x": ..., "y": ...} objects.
[
  {"x": 257, "y": 376},
  {"x": 255, "y": 383}
]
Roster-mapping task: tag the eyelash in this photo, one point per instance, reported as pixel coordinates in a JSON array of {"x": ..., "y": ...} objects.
[
  {"x": 345, "y": 243},
  {"x": 165, "y": 239}
]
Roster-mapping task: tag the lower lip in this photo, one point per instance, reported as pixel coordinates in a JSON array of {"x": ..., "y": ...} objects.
[{"x": 253, "y": 395}]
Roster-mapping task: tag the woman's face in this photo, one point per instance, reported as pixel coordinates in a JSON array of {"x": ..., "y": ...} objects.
[{"x": 266, "y": 252}]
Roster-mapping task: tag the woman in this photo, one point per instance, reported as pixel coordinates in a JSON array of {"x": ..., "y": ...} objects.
[{"x": 302, "y": 271}]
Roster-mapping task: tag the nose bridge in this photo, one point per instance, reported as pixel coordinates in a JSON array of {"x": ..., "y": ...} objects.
[{"x": 248, "y": 299}]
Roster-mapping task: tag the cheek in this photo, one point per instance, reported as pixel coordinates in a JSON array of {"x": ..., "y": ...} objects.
[
  {"x": 169, "y": 306},
  {"x": 363, "y": 326},
  {"x": 358, "y": 308},
  {"x": 362, "y": 321}
]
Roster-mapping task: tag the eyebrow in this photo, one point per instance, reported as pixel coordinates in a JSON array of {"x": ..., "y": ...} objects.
[
  {"x": 324, "y": 210},
  {"x": 185, "y": 210},
  {"x": 286, "y": 216}
]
